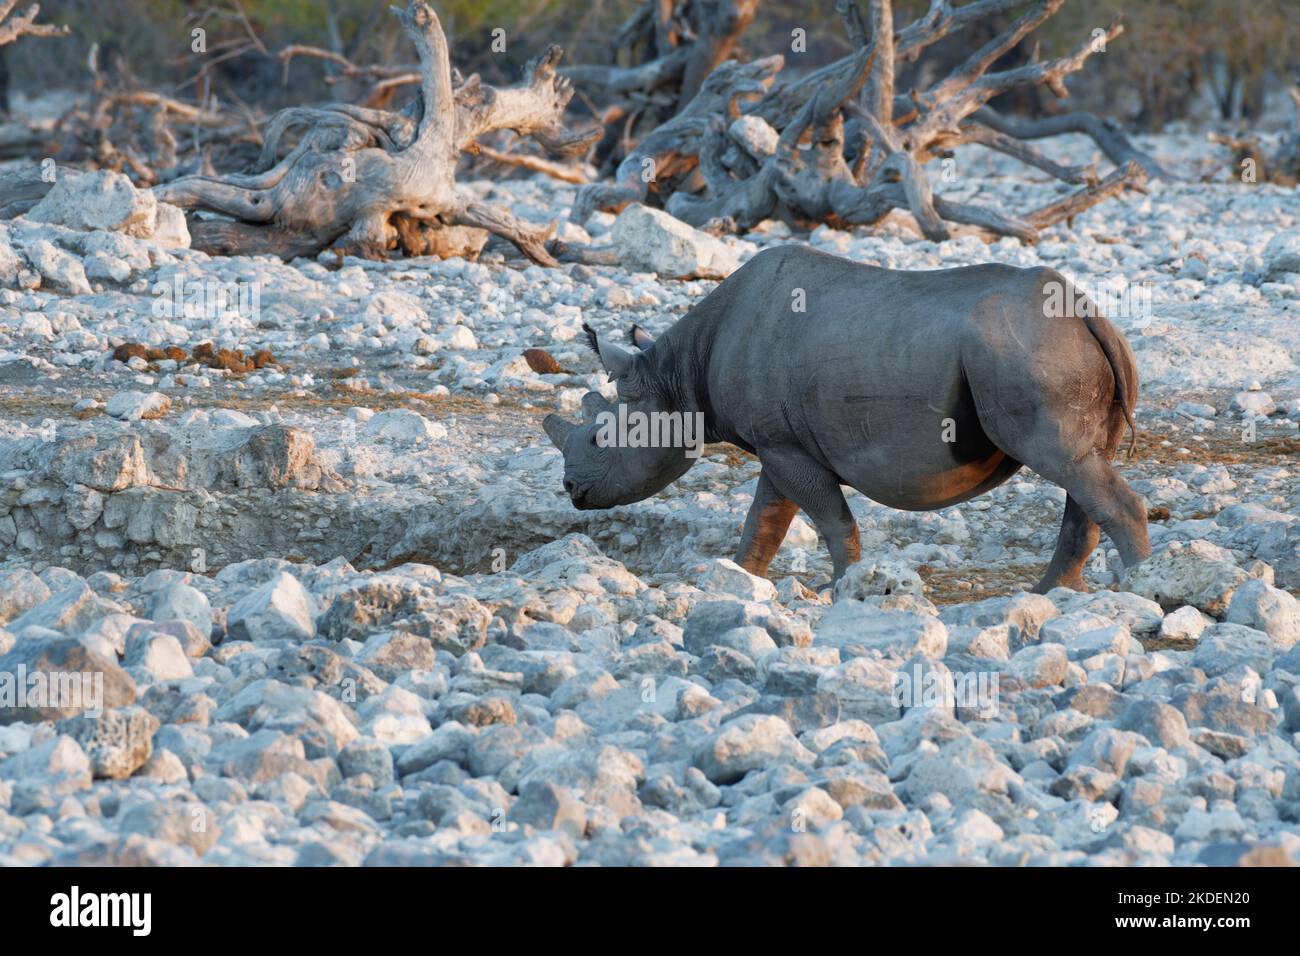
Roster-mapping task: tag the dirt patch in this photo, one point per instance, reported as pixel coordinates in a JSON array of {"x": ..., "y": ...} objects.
[
  {"x": 335, "y": 396},
  {"x": 40, "y": 404},
  {"x": 1222, "y": 447},
  {"x": 973, "y": 583},
  {"x": 35, "y": 404},
  {"x": 1152, "y": 643}
]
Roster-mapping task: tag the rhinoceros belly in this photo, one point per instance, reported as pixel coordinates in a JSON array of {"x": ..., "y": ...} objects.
[{"x": 919, "y": 457}]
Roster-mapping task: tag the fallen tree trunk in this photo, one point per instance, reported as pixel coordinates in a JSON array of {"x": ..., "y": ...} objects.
[
  {"x": 21, "y": 189},
  {"x": 370, "y": 180}
]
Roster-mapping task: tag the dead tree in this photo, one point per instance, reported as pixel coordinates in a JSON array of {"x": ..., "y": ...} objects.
[
  {"x": 119, "y": 126},
  {"x": 667, "y": 158},
  {"x": 369, "y": 180},
  {"x": 1252, "y": 163},
  {"x": 662, "y": 55},
  {"x": 841, "y": 146},
  {"x": 386, "y": 80}
]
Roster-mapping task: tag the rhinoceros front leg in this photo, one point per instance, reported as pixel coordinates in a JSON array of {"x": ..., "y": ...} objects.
[
  {"x": 817, "y": 492},
  {"x": 765, "y": 527}
]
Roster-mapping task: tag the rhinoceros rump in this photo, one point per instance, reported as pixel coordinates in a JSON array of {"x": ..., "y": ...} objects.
[{"x": 919, "y": 389}]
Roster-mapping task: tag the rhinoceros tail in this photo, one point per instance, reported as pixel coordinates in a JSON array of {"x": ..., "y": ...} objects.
[{"x": 1122, "y": 367}]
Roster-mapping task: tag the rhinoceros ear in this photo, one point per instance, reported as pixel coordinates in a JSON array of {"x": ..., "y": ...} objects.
[
  {"x": 641, "y": 338},
  {"x": 616, "y": 359},
  {"x": 592, "y": 342}
]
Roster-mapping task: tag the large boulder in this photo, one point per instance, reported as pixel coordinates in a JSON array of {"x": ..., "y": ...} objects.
[
  {"x": 172, "y": 231},
  {"x": 322, "y": 724},
  {"x": 49, "y": 678},
  {"x": 961, "y": 770},
  {"x": 57, "y": 766},
  {"x": 404, "y": 426},
  {"x": 725, "y": 576},
  {"x": 858, "y": 629},
  {"x": 575, "y": 561},
  {"x": 749, "y": 743},
  {"x": 652, "y": 240},
  {"x": 118, "y": 743},
  {"x": 709, "y": 620},
  {"x": 59, "y": 270},
  {"x": 179, "y": 601},
  {"x": 274, "y": 456},
  {"x": 72, "y": 610},
  {"x": 1023, "y": 614},
  {"x": 20, "y": 591},
  {"x": 1282, "y": 254},
  {"x": 1195, "y": 572},
  {"x": 1224, "y": 647},
  {"x": 133, "y": 406},
  {"x": 281, "y": 609},
  {"x": 99, "y": 200},
  {"x": 883, "y": 577},
  {"x": 10, "y": 264},
  {"x": 404, "y": 608},
  {"x": 1267, "y": 609}
]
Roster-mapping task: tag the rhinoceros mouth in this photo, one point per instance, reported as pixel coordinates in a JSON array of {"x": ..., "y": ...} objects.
[{"x": 578, "y": 496}]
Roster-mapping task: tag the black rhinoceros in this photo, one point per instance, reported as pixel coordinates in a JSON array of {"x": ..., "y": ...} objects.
[{"x": 919, "y": 389}]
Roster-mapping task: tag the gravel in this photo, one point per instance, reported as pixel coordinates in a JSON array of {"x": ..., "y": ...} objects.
[{"x": 335, "y": 608}]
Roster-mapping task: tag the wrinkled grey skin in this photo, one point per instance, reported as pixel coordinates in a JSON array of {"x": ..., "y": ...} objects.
[{"x": 862, "y": 388}]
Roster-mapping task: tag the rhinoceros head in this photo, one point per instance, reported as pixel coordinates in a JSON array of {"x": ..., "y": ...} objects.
[{"x": 629, "y": 449}]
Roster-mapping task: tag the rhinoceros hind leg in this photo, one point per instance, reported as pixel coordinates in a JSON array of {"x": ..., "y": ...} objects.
[
  {"x": 1079, "y": 536},
  {"x": 1072, "y": 451},
  {"x": 765, "y": 527},
  {"x": 1107, "y": 499}
]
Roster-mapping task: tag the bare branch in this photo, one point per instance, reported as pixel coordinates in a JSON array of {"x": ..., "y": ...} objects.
[
  {"x": 879, "y": 99},
  {"x": 24, "y": 24},
  {"x": 536, "y": 164},
  {"x": 993, "y": 139},
  {"x": 1128, "y": 176},
  {"x": 1106, "y": 133}
]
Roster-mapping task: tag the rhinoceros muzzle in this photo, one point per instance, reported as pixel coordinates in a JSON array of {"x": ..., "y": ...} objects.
[{"x": 577, "y": 495}]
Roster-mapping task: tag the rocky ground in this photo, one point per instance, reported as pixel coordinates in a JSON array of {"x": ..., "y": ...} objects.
[{"x": 344, "y": 612}]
